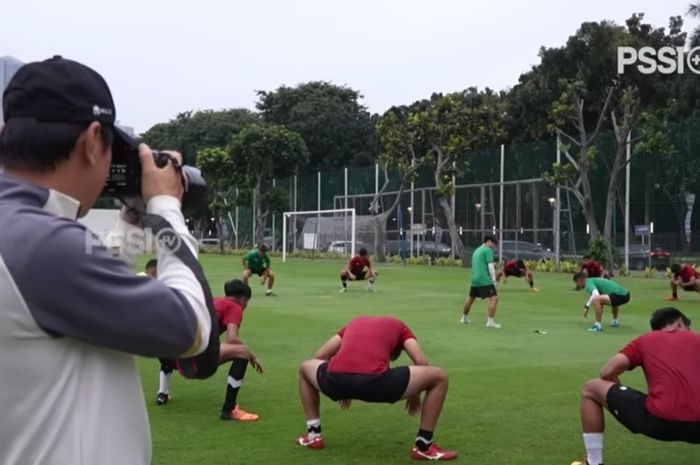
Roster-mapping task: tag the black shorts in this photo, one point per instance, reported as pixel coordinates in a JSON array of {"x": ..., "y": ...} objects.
[
  {"x": 616, "y": 299},
  {"x": 167, "y": 365},
  {"x": 483, "y": 292},
  {"x": 629, "y": 408},
  {"x": 518, "y": 273},
  {"x": 360, "y": 276},
  {"x": 259, "y": 272},
  {"x": 689, "y": 288},
  {"x": 387, "y": 387}
]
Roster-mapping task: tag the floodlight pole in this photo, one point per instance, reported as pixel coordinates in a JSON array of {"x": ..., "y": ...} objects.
[
  {"x": 274, "y": 184},
  {"x": 557, "y": 212},
  {"x": 627, "y": 200},
  {"x": 454, "y": 204},
  {"x": 413, "y": 163},
  {"x": 284, "y": 236},
  {"x": 500, "y": 213}
]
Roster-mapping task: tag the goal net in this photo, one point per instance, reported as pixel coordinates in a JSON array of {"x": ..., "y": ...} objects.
[{"x": 332, "y": 231}]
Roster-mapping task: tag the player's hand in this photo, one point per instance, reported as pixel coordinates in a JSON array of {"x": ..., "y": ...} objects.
[
  {"x": 255, "y": 363},
  {"x": 159, "y": 181},
  {"x": 352, "y": 277},
  {"x": 345, "y": 404},
  {"x": 413, "y": 405},
  {"x": 585, "y": 312}
]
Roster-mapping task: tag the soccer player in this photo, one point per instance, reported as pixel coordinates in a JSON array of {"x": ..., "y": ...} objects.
[
  {"x": 670, "y": 357},
  {"x": 483, "y": 282},
  {"x": 603, "y": 292},
  {"x": 258, "y": 262},
  {"x": 229, "y": 312},
  {"x": 359, "y": 267},
  {"x": 151, "y": 269},
  {"x": 593, "y": 269},
  {"x": 684, "y": 277},
  {"x": 354, "y": 364},
  {"x": 519, "y": 269}
]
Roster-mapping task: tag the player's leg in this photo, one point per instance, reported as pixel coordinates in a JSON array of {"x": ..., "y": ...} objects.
[
  {"x": 309, "y": 392},
  {"x": 502, "y": 276},
  {"x": 238, "y": 355},
  {"x": 593, "y": 401},
  {"x": 344, "y": 276},
  {"x": 270, "y": 281},
  {"x": 493, "y": 306},
  {"x": 468, "y": 306},
  {"x": 530, "y": 276},
  {"x": 616, "y": 316},
  {"x": 372, "y": 277},
  {"x": 247, "y": 273},
  {"x": 598, "y": 304},
  {"x": 674, "y": 292},
  {"x": 432, "y": 381},
  {"x": 166, "y": 371}
]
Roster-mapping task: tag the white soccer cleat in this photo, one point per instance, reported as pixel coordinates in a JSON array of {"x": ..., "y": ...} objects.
[
  {"x": 371, "y": 289},
  {"x": 342, "y": 290},
  {"x": 465, "y": 320},
  {"x": 493, "y": 325}
]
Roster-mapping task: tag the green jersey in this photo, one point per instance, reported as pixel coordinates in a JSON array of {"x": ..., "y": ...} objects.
[
  {"x": 604, "y": 287},
  {"x": 257, "y": 263},
  {"x": 481, "y": 259}
]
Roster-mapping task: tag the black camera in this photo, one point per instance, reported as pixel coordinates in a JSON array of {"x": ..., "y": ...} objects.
[{"x": 124, "y": 180}]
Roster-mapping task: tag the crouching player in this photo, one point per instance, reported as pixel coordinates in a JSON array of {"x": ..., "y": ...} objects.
[
  {"x": 603, "y": 292},
  {"x": 229, "y": 312},
  {"x": 519, "y": 269},
  {"x": 670, "y": 357},
  {"x": 359, "y": 268},
  {"x": 257, "y": 261},
  {"x": 684, "y": 277},
  {"x": 354, "y": 364}
]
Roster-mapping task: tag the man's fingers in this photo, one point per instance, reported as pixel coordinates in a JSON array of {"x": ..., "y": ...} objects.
[{"x": 146, "y": 157}]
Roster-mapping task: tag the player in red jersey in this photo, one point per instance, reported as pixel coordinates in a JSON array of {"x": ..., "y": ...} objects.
[
  {"x": 229, "y": 312},
  {"x": 670, "y": 358},
  {"x": 684, "y": 277},
  {"x": 519, "y": 269},
  {"x": 359, "y": 268},
  {"x": 593, "y": 269},
  {"x": 355, "y": 364}
]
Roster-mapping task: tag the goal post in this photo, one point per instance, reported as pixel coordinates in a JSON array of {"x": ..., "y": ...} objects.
[{"x": 316, "y": 235}]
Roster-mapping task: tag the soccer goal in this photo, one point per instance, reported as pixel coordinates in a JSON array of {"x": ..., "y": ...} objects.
[{"x": 319, "y": 230}]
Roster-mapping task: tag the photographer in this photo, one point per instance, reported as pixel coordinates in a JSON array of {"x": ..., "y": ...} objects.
[{"x": 73, "y": 316}]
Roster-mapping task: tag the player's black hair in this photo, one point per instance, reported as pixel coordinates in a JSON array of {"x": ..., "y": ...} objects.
[
  {"x": 237, "y": 288},
  {"x": 152, "y": 263},
  {"x": 667, "y": 316},
  {"x": 676, "y": 269},
  {"x": 262, "y": 247},
  {"x": 578, "y": 276},
  {"x": 363, "y": 252},
  {"x": 520, "y": 263},
  {"x": 586, "y": 257},
  {"x": 490, "y": 238}
]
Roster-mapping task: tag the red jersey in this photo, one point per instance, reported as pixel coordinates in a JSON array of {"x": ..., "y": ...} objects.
[
  {"x": 511, "y": 266},
  {"x": 358, "y": 264},
  {"x": 228, "y": 312},
  {"x": 687, "y": 273},
  {"x": 671, "y": 364},
  {"x": 368, "y": 344},
  {"x": 593, "y": 268}
]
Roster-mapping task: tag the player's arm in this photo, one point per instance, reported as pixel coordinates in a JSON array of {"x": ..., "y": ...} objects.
[
  {"x": 244, "y": 261},
  {"x": 348, "y": 269},
  {"x": 233, "y": 335},
  {"x": 595, "y": 293},
  {"x": 330, "y": 348},
  {"x": 414, "y": 352},
  {"x": 492, "y": 271},
  {"x": 267, "y": 262},
  {"x": 614, "y": 368}
]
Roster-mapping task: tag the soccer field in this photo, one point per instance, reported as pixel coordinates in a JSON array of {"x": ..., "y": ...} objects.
[{"x": 514, "y": 393}]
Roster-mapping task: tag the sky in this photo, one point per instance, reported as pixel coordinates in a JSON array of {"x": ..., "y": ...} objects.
[{"x": 161, "y": 58}]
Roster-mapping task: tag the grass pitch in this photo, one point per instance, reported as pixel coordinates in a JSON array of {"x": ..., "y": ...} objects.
[{"x": 514, "y": 393}]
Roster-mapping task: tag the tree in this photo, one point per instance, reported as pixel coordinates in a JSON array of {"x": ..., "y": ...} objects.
[
  {"x": 336, "y": 128},
  {"x": 693, "y": 11},
  {"x": 255, "y": 156},
  {"x": 192, "y": 131},
  {"x": 215, "y": 167}
]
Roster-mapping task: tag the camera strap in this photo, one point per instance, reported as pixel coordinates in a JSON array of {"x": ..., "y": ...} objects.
[{"x": 204, "y": 365}]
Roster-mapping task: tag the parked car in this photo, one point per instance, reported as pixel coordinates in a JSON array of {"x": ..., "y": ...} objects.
[
  {"x": 345, "y": 247},
  {"x": 641, "y": 256},
  {"x": 430, "y": 248},
  {"x": 210, "y": 244},
  {"x": 515, "y": 250}
]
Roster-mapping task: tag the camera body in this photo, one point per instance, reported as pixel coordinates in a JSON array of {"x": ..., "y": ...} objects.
[{"x": 124, "y": 179}]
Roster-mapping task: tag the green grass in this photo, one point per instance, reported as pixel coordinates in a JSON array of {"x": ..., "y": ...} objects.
[{"x": 513, "y": 393}]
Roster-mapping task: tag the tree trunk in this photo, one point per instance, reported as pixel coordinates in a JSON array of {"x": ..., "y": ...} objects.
[
  {"x": 220, "y": 223},
  {"x": 455, "y": 238},
  {"x": 587, "y": 204},
  {"x": 379, "y": 222},
  {"x": 259, "y": 216}
]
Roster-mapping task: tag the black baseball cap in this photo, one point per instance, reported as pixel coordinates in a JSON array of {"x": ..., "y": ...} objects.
[{"x": 59, "y": 90}]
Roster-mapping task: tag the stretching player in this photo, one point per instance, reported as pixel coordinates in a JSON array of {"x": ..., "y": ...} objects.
[
  {"x": 517, "y": 268},
  {"x": 483, "y": 282},
  {"x": 151, "y": 269},
  {"x": 603, "y": 292},
  {"x": 354, "y": 364},
  {"x": 684, "y": 277},
  {"x": 593, "y": 269},
  {"x": 257, "y": 261},
  {"x": 229, "y": 312},
  {"x": 359, "y": 267},
  {"x": 671, "y": 411}
]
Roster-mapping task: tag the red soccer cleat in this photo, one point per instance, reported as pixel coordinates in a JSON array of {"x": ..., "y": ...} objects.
[
  {"x": 311, "y": 443},
  {"x": 434, "y": 452},
  {"x": 671, "y": 298}
]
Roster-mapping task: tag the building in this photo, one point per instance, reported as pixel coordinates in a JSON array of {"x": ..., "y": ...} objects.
[{"x": 8, "y": 67}]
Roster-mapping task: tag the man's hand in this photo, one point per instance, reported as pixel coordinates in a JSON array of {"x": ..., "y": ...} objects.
[
  {"x": 585, "y": 312},
  {"x": 413, "y": 405},
  {"x": 345, "y": 404},
  {"x": 255, "y": 363},
  {"x": 159, "y": 181},
  {"x": 352, "y": 276}
]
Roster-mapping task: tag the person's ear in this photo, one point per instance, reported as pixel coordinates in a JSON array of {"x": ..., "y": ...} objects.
[{"x": 92, "y": 143}]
